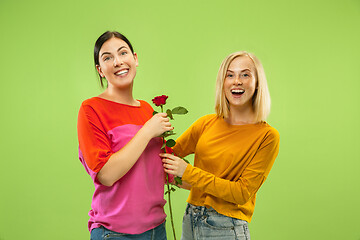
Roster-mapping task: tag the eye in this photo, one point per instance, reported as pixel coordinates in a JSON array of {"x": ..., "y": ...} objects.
[
  {"x": 229, "y": 75},
  {"x": 246, "y": 75},
  {"x": 123, "y": 52},
  {"x": 106, "y": 58}
]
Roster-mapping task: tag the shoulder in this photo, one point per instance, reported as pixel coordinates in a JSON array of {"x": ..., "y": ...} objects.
[
  {"x": 203, "y": 122},
  {"x": 91, "y": 102},
  {"x": 88, "y": 108},
  {"x": 207, "y": 118},
  {"x": 270, "y": 132},
  {"x": 95, "y": 107},
  {"x": 146, "y": 107},
  {"x": 144, "y": 104}
]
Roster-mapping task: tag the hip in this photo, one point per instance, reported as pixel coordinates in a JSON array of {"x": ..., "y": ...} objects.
[{"x": 200, "y": 222}]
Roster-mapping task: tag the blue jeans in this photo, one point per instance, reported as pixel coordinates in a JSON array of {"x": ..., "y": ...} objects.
[
  {"x": 200, "y": 223},
  {"x": 102, "y": 233}
]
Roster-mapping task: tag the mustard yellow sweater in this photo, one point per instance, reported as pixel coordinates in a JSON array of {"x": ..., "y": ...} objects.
[{"x": 231, "y": 163}]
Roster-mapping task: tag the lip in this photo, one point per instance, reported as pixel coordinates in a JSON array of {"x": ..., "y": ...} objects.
[
  {"x": 120, "y": 74},
  {"x": 234, "y": 95}
]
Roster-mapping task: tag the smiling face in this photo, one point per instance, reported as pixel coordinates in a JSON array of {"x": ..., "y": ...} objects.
[
  {"x": 117, "y": 63},
  {"x": 240, "y": 82}
]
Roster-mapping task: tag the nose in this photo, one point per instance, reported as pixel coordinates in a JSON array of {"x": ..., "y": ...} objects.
[
  {"x": 238, "y": 81},
  {"x": 117, "y": 61}
]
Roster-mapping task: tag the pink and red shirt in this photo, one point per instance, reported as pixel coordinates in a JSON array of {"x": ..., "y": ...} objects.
[{"x": 134, "y": 204}]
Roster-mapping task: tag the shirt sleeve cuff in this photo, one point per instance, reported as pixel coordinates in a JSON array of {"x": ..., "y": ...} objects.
[{"x": 186, "y": 176}]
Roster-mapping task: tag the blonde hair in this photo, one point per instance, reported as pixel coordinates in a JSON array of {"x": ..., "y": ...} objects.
[{"x": 261, "y": 98}]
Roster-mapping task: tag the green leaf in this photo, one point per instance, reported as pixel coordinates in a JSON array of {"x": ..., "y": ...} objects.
[
  {"x": 168, "y": 112},
  {"x": 163, "y": 146},
  {"x": 170, "y": 143},
  {"x": 178, "y": 181},
  {"x": 167, "y": 133},
  {"x": 179, "y": 110},
  {"x": 154, "y": 112}
]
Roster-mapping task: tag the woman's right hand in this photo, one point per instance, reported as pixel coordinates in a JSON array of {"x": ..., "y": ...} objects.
[{"x": 157, "y": 125}]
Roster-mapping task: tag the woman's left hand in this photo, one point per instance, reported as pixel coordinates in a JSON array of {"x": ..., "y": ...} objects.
[{"x": 173, "y": 164}]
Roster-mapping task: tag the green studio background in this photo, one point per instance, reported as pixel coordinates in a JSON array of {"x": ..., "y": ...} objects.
[{"x": 309, "y": 50}]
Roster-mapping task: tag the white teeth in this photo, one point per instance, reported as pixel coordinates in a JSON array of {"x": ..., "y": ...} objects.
[
  {"x": 122, "y": 72},
  {"x": 237, "y": 91}
]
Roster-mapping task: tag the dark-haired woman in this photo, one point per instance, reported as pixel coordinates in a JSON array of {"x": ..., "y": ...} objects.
[{"x": 119, "y": 148}]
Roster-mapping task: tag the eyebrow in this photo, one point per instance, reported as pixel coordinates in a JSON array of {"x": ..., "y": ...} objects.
[
  {"x": 110, "y": 53},
  {"x": 246, "y": 69}
]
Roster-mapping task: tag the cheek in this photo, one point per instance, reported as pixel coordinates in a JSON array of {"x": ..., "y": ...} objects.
[
  {"x": 251, "y": 83},
  {"x": 226, "y": 89},
  {"x": 227, "y": 84},
  {"x": 252, "y": 89}
]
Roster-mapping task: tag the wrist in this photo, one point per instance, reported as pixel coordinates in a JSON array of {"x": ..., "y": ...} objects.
[
  {"x": 145, "y": 133},
  {"x": 184, "y": 169},
  {"x": 185, "y": 176}
]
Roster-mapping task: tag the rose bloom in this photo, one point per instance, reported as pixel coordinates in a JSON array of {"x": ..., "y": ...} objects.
[{"x": 160, "y": 100}]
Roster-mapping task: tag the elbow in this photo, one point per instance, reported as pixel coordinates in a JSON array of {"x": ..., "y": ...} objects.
[
  {"x": 106, "y": 181},
  {"x": 243, "y": 201},
  {"x": 244, "y": 197}
]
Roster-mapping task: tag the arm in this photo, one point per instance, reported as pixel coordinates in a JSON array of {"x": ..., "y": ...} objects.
[
  {"x": 240, "y": 191},
  {"x": 185, "y": 145},
  {"x": 185, "y": 185},
  {"x": 95, "y": 145},
  {"x": 122, "y": 161},
  {"x": 187, "y": 142}
]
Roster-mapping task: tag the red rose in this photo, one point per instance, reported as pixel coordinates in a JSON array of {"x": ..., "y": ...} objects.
[
  {"x": 169, "y": 149},
  {"x": 160, "y": 100}
]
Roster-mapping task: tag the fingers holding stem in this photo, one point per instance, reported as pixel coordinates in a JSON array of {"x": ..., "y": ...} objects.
[{"x": 173, "y": 164}]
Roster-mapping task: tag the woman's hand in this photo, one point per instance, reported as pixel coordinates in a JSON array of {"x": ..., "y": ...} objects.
[
  {"x": 157, "y": 125},
  {"x": 173, "y": 164}
]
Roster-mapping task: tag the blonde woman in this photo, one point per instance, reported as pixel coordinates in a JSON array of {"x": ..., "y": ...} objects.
[{"x": 234, "y": 152}]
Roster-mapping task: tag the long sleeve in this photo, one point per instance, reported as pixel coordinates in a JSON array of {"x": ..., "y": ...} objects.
[
  {"x": 186, "y": 143},
  {"x": 246, "y": 186}
]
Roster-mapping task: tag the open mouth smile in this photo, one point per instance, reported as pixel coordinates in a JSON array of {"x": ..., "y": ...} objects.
[
  {"x": 121, "y": 72},
  {"x": 237, "y": 92}
]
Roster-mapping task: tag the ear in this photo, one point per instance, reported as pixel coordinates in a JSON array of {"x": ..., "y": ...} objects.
[
  {"x": 136, "y": 59},
  {"x": 98, "y": 68}
]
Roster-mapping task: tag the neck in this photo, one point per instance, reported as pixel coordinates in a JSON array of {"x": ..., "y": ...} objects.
[
  {"x": 119, "y": 95},
  {"x": 241, "y": 116}
]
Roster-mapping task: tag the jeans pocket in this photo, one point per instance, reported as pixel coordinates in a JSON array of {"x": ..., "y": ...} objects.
[
  {"x": 242, "y": 229},
  {"x": 218, "y": 222},
  {"x": 214, "y": 228},
  {"x": 110, "y": 235}
]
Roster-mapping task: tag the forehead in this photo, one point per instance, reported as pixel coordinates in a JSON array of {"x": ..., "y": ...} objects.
[
  {"x": 241, "y": 63},
  {"x": 113, "y": 44}
]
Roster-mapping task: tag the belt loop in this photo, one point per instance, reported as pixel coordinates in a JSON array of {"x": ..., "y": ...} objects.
[
  {"x": 188, "y": 208},
  {"x": 203, "y": 210}
]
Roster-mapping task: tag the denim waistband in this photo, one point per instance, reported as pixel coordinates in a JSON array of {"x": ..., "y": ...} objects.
[{"x": 199, "y": 209}]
